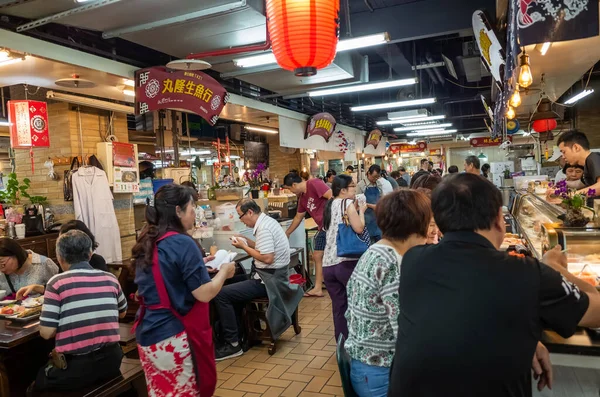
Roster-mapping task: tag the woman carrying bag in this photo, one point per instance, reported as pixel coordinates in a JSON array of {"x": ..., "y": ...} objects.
[{"x": 337, "y": 270}]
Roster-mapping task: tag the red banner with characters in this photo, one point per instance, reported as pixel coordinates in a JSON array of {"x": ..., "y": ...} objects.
[
  {"x": 408, "y": 147},
  {"x": 193, "y": 91},
  {"x": 28, "y": 124},
  {"x": 487, "y": 141},
  {"x": 321, "y": 124}
]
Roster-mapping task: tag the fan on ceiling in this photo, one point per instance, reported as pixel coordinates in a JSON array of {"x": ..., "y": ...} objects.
[
  {"x": 188, "y": 64},
  {"x": 75, "y": 82},
  {"x": 287, "y": 150},
  {"x": 406, "y": 94}
]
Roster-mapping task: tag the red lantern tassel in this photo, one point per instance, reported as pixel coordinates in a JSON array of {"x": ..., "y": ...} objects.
[{"x": 31, "y": 157}]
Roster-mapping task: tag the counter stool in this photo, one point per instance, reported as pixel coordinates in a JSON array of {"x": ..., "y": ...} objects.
[{"x": 256, "y": 315}]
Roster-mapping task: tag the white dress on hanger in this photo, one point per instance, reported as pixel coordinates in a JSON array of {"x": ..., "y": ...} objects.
[{"x": 93, "y": 203}]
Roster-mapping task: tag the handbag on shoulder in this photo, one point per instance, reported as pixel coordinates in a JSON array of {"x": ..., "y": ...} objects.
[
  {"x": 68, "y": 181},
  {"x": 349, "y": 243}
]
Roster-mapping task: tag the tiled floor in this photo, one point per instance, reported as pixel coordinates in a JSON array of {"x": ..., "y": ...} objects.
[{"x": 304, "y": 365}]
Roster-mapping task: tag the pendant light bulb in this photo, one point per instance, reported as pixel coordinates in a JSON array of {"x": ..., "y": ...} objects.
[
  {"x": 515, "y": 100},
  {"x": 386, "y": 157},
  {"x": 510, "y": 113},
  {"x": 525, "y": 76}
]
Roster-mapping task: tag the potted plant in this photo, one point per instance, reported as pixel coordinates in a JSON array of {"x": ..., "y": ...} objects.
[
  {"x": 574, "y": 203},
  {"x": 254, "y": 179},
  {"x": 14, "y": 191}
]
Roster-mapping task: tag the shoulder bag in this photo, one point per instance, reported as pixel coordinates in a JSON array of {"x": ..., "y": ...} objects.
[
  {"x": 349, "y": 243},
  {"x": 68, "y": 181}
]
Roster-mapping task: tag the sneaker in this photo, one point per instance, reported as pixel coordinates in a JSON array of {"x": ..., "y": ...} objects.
[{"x": 228, "y": 351}]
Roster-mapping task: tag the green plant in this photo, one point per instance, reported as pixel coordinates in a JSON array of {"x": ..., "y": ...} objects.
[{"x": 14, "y": 191}]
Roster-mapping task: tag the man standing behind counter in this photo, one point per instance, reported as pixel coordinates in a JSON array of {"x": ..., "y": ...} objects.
[
  {"x": 492, "y": 306},
  {"x": 575, "y": 148},
  {"x": 312, "y": 198},
  {"x": 373, "y": 187}
]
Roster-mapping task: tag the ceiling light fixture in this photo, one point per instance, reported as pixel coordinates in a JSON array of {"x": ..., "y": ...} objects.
[
  {"x": 515, "y": 99},
  {"x": 4, "y": 123},
  {"x": 416, "y": 120},
  {"x": 545, "y": 48},
  {"x": 261, "y": 129},
  {"x": 10, "y": 61},
  {"x": 93, "y": 103},
  {"x": 431, "y": 133},
  {"x": 423, "y": 127},
  {"x": 510, "y": 113},
  {"x": 391, "y": 105},
  {"x": 4, "y": 54},
  {"x": 525, "y": 76},
  {"x": 129, "y": 83},
  {"x": 579, "y": 96},
  {"x": 364, "y": 87},
  {"x": 129, "y": 92},
  {"x": 343, "y": 45}
]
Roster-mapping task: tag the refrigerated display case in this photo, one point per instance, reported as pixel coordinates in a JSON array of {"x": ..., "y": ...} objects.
[{"x": 533, "y": 214}]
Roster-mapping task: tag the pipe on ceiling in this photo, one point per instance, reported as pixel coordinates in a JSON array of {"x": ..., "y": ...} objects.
[
  {"x": 436, "y": 70},
  {"x": 51, "y": 18},
  {"x": 432, "y": 76},
  {"x": 235, "y": 50}
]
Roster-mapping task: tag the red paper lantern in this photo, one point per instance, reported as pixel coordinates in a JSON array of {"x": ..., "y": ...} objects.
[
  {"x": 544, "y": 125},
  {"x": 304, "y": 33},
  {"x": 28, "y": 124}
]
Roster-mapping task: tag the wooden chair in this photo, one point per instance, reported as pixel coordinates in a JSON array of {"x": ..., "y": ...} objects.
[{"x": 256, "y": 315}]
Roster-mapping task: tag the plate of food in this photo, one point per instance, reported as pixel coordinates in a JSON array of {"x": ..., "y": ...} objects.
[{"x": 19, "y": 313}]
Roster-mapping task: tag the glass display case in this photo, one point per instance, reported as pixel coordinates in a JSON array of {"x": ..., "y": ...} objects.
[{"x": 533, "y": 215}]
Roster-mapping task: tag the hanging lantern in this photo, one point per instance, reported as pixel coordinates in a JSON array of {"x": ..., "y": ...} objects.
[
  {"x": 304, "y": 34},
  {"x": 544, "y": 125},
  {"x": 28, "y": 125},
  {"x": 525, "y": 76},
  {"x": 515, "y": 99}
]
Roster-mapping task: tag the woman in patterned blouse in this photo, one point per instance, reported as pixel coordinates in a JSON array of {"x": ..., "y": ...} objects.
[{"x": 373, "y": 308}]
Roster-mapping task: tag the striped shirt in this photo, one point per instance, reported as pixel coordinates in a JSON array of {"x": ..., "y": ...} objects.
[
  {"x": 271, "y": 239},
  {"x": 83, "y": 304}
]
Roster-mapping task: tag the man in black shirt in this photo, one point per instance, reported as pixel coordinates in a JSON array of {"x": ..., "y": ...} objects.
[
  {"x": 423, "y": 171},
  {"x": 575, "y": 148},
  {"x": 471, "y": 316}
]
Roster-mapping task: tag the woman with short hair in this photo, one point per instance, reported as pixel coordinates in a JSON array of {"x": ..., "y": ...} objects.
[
  {"x": 373, "y": 307},
  {"x": 96, "y": 261}
]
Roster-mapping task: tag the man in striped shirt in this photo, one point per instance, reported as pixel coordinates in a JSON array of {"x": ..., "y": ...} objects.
[{"x": 82, "y": 307}]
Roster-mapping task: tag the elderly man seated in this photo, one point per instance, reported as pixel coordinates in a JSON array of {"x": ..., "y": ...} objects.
[
  {"x": 269, "y": 277},
  {"x": 82, "y": 307}
]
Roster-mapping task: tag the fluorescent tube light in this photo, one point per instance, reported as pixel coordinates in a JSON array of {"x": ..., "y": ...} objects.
[
  {"x": 579, "y": 96},
  {"x": 129, "y": 83},
  {"x": 545, "y": 48},
  {"x": 4, "y": 123},
  {"x": 261, "y": 129},
  {"x": 433, "y": 132},
  {"x": 421, "y": 123},
  {"x": 362, "y": 42},
  {"x": 364, "y": 87},
  {"x": 129, "y": 92},
  {"x": 416, "y": 120},
  {"x": 4, "y": 54},
  {"x": 391, "y": 105},
  {"x": 343, "y": 45},
  {"x": 423, "y": 127},
  {"x": 10, "y": 61},
  {"x": 93, "y": 103}
]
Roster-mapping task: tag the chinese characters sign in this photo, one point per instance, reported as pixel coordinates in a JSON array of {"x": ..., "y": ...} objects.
[
  {"x": 28, "y": 124},
  {"x": 408, "y": 148},
  {"x": 321, "y": 124},
  {"x": 374, "y": 138},
  {"x": 197, "y": 92},
  {"x": 487, "y": 141}
]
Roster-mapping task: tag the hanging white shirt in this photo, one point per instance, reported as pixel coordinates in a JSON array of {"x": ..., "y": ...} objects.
[{"x": 93, "y": 203}]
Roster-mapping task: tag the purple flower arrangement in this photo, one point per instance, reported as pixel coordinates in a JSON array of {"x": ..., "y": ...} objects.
[
  {"x": 254, "y": 177},
  {"x": 570, "y": 198}
]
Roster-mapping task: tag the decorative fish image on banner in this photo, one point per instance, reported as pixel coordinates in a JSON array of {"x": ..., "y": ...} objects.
[
  {"x": 542, "y": 21},
  {"x": 374, "y": 138},
  {"x": 321, "y": 124}
]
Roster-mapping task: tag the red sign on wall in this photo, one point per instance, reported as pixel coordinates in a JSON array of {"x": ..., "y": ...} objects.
[
  {"x": 193, "y": 91},
  {"x": 321, "y": 124},
  {"x": 374, "y": 138},
  {"x": 28, "y": 124},
  {"x": 408, "y": 148},
  {"x": 487, "y": 141}
]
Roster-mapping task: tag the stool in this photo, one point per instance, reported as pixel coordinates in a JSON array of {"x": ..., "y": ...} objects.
[{"x": 256, "y": 311}]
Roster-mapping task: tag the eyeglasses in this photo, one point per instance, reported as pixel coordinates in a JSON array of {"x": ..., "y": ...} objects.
[
  {"x": 353, "y": 185},
  {"x": 245, "y": 212}
]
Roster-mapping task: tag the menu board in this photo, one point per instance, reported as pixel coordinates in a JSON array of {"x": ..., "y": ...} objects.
[{"x": 254, "y": 153}]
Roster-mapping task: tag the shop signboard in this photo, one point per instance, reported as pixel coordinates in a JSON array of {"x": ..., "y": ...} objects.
[
  {"x": 546, "y": 21},
  {"x": 123, "y": 154},
  {"x": 321, "y": 124},
  {"x": 489, "y": 46},
  {"x": 374, "y": 138},
  {"x": 408, "y": 147},
  {"x": 192, "y": 91},
  {"x": 488, "y": 141},
  {"x": 28, "y": 124}
]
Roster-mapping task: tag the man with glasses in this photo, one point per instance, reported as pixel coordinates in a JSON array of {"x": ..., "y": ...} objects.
[
  {"x": 271, "y": 250},
  {"x": 373, "y": 187}
]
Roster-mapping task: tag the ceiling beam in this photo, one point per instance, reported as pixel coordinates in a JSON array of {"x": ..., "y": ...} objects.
[{"x": 52, "y": 18}]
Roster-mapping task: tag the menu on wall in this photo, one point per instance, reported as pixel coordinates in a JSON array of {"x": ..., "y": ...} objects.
[
  {"x": 256, "y": 152},
  {"x": 126, "y": 180}
]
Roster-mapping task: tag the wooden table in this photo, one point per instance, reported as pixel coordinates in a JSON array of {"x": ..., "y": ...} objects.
[{"x": 13, "y": 337}]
